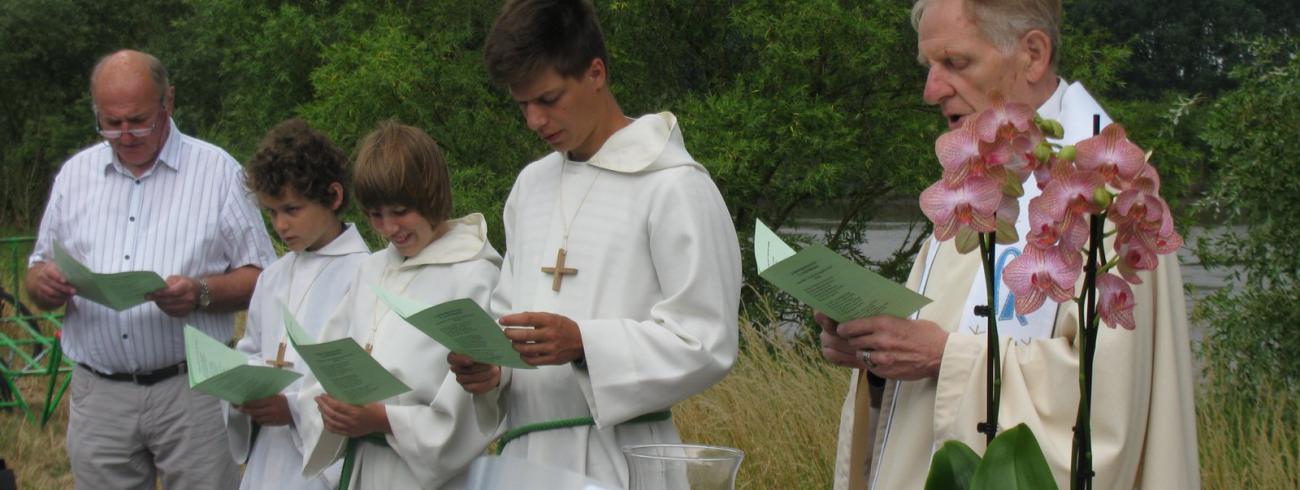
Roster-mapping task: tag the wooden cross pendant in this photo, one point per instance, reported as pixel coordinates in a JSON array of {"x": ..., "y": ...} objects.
[
  {"x": 279, "y": 361},
  {"x": 368, "y": 347},
  {"x": 559, "y": 270}
]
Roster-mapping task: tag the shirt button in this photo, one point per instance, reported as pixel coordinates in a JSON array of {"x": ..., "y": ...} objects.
[
  {"x": 123, "y": 336},
  {"x": 128, "y": 257},
  {"x": 137, "y": 182},
  {"x": 131, "y": 218}
]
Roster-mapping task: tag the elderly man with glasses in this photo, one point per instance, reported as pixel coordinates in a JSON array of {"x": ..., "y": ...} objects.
[{"x": 148, "y": 198}]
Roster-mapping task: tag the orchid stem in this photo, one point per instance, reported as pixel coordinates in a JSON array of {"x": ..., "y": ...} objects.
[
  {"x": 988, "y": 249},
  {"x": 1089, "y": 325}
]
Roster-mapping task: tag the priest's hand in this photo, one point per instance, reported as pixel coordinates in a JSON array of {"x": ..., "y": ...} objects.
[
  {"x": 272, "y": 410},
  {"x": 554, "y": 339},
  {"x": 899, "y": 348},
  {"x": 179, "y": 298},
  {"x": 47, "y": 287},
  {"x": 835, "y": 348},
  {"x": 474, "y": 377},
  {"x": 352, "y": 420}
]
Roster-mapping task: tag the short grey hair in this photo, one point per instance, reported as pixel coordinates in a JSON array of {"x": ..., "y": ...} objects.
[
  {"x": 1004, "y": 21},
  {"x": 157, "y": 72}
]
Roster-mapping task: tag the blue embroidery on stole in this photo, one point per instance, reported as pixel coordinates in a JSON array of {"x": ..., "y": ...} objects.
[{"x": 1009, "y": 306}]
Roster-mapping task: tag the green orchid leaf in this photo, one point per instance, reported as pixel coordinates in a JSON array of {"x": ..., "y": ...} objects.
[
  {"x": 952, "y": 467},
  {"x": 1014, "y": 461}
]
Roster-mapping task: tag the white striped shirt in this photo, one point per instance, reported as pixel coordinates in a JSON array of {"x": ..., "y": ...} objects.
[{"x": 188, "y": 215}]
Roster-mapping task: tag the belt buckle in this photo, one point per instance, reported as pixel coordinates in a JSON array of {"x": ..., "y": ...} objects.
[{"x": 136, "y": 378}]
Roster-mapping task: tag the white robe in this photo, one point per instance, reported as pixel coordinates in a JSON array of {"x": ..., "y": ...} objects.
[
  {"x": 310, "y": 284},
  {"x": 1144, "y": 430},
  {"x": 435, "y": 430},
  {"x": 655, "y": 297}
]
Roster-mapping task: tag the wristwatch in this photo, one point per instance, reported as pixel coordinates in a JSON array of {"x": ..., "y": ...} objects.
[{"x": 205, "y": 295}]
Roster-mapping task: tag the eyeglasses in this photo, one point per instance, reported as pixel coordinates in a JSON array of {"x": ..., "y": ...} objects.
[{"x": 113, "y": 134}]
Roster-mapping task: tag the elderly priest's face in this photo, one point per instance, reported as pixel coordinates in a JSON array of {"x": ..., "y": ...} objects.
[{"x": 964, "y": 65}]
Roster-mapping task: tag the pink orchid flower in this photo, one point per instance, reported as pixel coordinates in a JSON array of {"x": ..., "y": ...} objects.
[
  {"x": 1051, "y": 169},
  {"x": 1005, "y": 120},
  {"x": 1146, "y": 218},
  {"x": 1065, "y": 205},
  {"x": 962, "y": 154},
  {"x": 1112, "y": 154},
  {"x": 1009, "y": 128},
  {"x": 970, "y": 204},
  {"x": 1115, "y": 301},
  {"x": 1134, "y": 256},
  {"x": 1040, "y": 273}
]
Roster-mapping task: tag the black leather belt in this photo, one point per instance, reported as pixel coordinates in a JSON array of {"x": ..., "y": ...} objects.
[{"x": 144, "y": 379}]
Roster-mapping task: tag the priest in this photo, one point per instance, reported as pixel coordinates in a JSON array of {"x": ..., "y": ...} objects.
[
  {"x": 621, "y": 279},
  {"x": 919, "y": 382}
]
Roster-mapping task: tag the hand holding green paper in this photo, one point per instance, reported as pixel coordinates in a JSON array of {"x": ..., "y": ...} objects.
[
  {"x": 220, "y": 371},
  {"x": 346, "y": 371},
  {"x": 461, "y": 326},
  {"x": 118, "y": 291},
  {"x": 829, "y": 282}
]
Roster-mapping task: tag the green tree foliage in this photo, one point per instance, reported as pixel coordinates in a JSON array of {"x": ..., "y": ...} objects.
[
  {"x": 795, "y": 107},
  {"x": 48, "y": 49},
  {"x": 1187, "y": 46},
  {"x": 1253, "y": 131},
  {"x": 798, "y": 109}
]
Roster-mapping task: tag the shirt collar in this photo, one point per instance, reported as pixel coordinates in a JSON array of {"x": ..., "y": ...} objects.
[
  {"x": 348, "y": 242},
  {"x": 1052, "y": 108},
  {"x": 169, "y": 156},
  {"x": 465, "y": 239}
]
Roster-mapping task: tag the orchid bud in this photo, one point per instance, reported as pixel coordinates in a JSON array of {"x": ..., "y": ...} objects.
[
  {"x": 1043, "y": 151},
  {"x": 1055, "y": 130},
  {"x": 1066, "y": 154},
  {"x": 1102, "y": 197}
]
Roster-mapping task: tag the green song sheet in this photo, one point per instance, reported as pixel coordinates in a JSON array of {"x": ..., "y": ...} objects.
[
  {"x": 828, "y": 282},
  {"x": 460, "y": 325},
  {"x": 117, "y": 291},
  {"x": 343, "y": 368},
  {"x": 220, "y": 371}
]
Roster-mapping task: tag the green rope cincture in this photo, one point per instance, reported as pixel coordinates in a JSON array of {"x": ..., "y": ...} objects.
[
  {"x": 525, "y": 429},
  {"x": 350, "y": 455}
]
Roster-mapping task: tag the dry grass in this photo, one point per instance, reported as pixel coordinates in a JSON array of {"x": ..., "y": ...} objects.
[
  {"x": 36, "y": 455},
  {"x": 780, "y": 405},
  {"x": 1247, "y": 441}
]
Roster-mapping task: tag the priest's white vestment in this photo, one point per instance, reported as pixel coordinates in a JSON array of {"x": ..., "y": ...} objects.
[
  {"x": 1143, "y": 422},
  {"x": 310, "y": 284},
  {"x": 435, "y": 432},
  {"x": 655, "y": 297}
]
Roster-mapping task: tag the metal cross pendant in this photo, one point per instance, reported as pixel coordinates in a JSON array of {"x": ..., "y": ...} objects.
[
  {"x": 279, "y": 361},
  {"x": 559, "y": 270}
]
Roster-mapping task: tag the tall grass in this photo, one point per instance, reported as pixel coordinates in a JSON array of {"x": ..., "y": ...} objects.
[
  {"x": 780, "y": 405},
  {"x": 1249, "y": 435}
]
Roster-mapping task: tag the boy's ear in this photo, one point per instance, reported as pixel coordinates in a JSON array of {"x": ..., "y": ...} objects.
[
  {"x": 337, "y": 190},
  {"x": 596, "y": 72}
]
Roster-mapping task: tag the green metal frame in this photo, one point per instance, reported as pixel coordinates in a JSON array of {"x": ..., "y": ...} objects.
[{"x": 28, "y": 351}]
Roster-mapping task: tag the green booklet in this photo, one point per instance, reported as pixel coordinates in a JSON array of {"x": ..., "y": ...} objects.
[
  {"x": 220, "y": 371},
  {"x": 117, "y": 291},
  {"x": 828, "y": 282},
  {"x": 460, "y": 325},
  {"x": 343, "y": 368}
]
